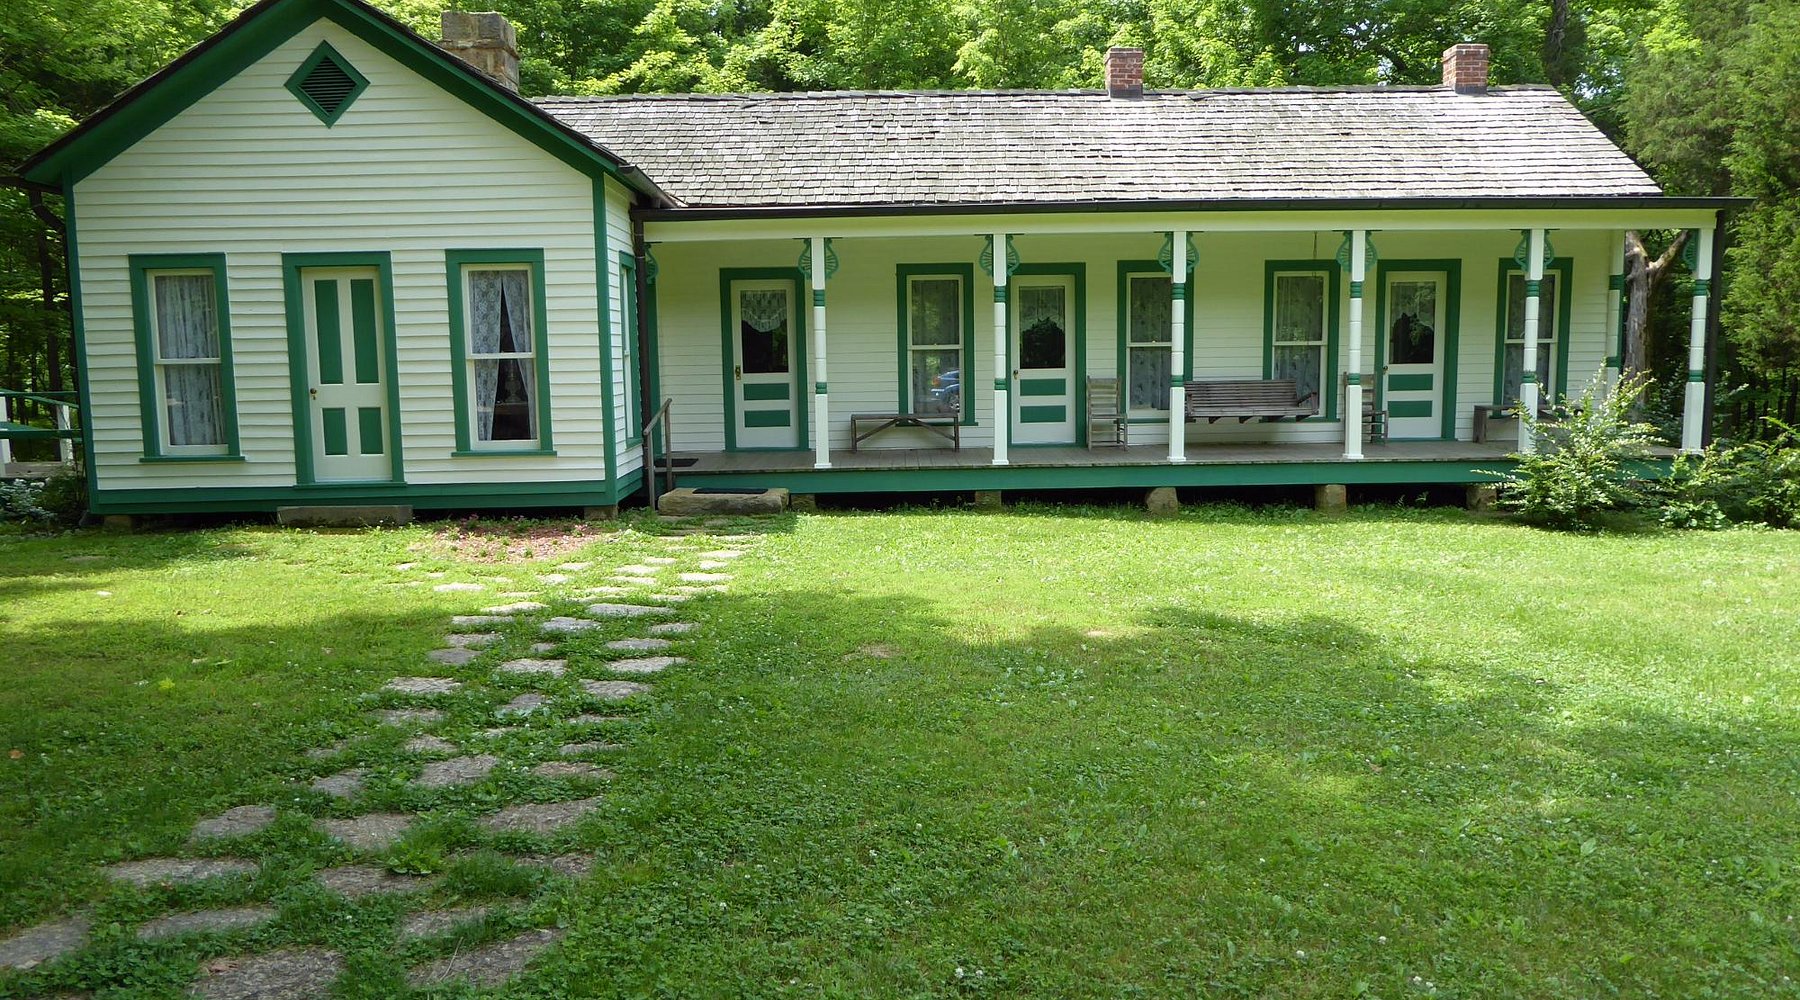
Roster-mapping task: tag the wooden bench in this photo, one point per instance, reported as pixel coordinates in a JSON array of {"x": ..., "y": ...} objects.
[
  {"x": 1249, "y": 399},
  {"x": 945, "y": 425}
]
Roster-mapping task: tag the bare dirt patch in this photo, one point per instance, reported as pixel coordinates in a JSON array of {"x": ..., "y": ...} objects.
[{"x": 511, "y": 540}]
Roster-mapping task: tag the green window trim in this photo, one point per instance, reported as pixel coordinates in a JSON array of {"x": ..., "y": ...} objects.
[
  {"x": 456, "y": 263},
  {"x": 143, "y": 267},
  {"x": 292, "y": 264},
  {"x": 903, "y": 275},
  {"x": 1129, "y": 269},
  {"x": 728, "y": 275},
  {"x": 296, "y": 84},
  {"x": 1077, "y": 273},
  {"x": 1328, "y": 372},
  {"x": 1565, "y": 270},
  {"x": 628, "y": 320},
  {"x": 1452, "y": 271}
]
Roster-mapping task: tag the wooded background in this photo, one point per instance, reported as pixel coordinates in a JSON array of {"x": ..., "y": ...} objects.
[{"x": 1705, "y": 93}]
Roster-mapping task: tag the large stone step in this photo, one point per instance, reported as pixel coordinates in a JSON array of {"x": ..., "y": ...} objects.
[{"x": 689, "y": 501}]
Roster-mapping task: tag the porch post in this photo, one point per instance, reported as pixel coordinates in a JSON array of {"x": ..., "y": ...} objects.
[
  {"x": 999, "y": 264},
  {"x": 1178, "y": 273},
  {"x": 1528, "y": 387},
  {"x": 821, "y": 399},
  {"x": 1353, "y": 389},
  {"x": 1693, "y": 410},
  {"x": 5, "y": 443},
  {"x": 1615, "y": 313}
]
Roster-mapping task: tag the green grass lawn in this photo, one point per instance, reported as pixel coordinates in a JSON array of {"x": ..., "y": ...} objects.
[{"x": 1046, "y": 753}]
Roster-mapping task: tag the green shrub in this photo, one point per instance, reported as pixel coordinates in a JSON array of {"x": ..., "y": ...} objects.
[
  {"x": 1582, "y": 468},
  {"x": 60, "y": 500},
  {"x": 1750, "y": 482},
  {"x": 22, "y": 500}
]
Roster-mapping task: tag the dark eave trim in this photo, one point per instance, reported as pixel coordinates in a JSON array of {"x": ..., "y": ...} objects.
[{"x": 704, "y": 214}]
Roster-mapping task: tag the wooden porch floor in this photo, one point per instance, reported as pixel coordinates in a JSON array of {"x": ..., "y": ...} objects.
[{"x": 889, "y": 459}]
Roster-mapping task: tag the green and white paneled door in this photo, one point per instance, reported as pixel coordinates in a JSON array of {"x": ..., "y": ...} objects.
[
  {"x": 1043, "y": 356},
  {"x": 763, "y": 343},
  {"x": 345, "y": 374},
  {"x": 1414, "y": 351}
]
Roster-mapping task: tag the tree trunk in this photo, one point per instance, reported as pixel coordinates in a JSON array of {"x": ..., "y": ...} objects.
[
  {"x": 47, "y": 280},
  {"x": 1641, "y": 277},
  {"x": 1556, "y": 41}
]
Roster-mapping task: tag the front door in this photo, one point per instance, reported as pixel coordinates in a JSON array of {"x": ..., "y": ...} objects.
[
  {"x": 1415, "y": 349},
  {"x": 764, "y": 339},
  {"x": 1043, "y": 354},
  {"x": 346, "y": 374}
]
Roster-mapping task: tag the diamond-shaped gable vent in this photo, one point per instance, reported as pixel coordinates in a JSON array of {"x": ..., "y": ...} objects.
[{"x": 327, "y": 84}]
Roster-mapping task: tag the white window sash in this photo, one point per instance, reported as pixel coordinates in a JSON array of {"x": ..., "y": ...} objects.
[
  {"x": 474, "y": 358},
  {"x": 160, "y": 365},
  {"x": 913, "y": 347},
  {"x": 1131, "y": 344}
]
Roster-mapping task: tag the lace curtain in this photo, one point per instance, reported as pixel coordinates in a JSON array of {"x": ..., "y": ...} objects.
[
  {"x": 499, "y": 323},
  {"x": 764, "y": 311},
  {"x": 1150, "y": 313},
  {"x": 187, "y": 347},
  {"x": 1515, "y": 336},
  {"x": 1300, "y": 308}
]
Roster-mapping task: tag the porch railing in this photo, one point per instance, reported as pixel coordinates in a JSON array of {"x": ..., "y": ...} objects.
[
  {"x": 62, "y": 406},
  {"x": 660, "y": 420}
]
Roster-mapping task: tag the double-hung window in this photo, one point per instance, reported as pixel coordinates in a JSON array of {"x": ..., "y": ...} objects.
[
  {"x": 502, "y": 386},
  {"x": 1149, "y": 312},
  {"x": 1300, "y": 330},
  {"x": 935, "y": 330},
  {"x": 184, "y": 356},
  {"x": 1513, "y": 371}
]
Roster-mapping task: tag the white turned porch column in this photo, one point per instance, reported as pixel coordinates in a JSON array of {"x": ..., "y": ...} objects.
[
  {"x": 1693, "y": 410},
  {"x": 1528, "y": 387},
  {"x": 1353, "y": 389},
  {"x": 1001, "y": 267},
  {"x": 821, "y": 398},
  {"x": 1178, "y": 275},
  {"x": 5, "y": 443},
  {"x": 1615, "y": 312}
]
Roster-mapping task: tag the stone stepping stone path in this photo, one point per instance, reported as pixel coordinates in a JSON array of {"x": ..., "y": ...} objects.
[
  {"x": 357, "y": 881},
  {"x": 240, "y": 821},
  {"x": 531, "y": 667},
  {"x": 434, "y": 923},
  {"x": 233, "y": 918},
  {"x": 614, "y": 690},
  {"x": 637, "y": 570},
  {"x": 721, "y": 554},
  {"x": 342, "y": 785},
  {"x": 471, "y": 640},
  {"x": 540, "y": 648},
  {"x": 405, "y": 717},
  {"x": 177, "y": 871},
  {"x": 583, "y": 749},
  {"x": 423, "y": 685},
  {"x": 671, "y": 628},
  {"x": 454, "y": 656},
  {"x": 452, "y": 588},
  {"x": 571, "y": 865},
  {"x": 427, "y": 743},
  {"x": 370, "y": 832},
  {"x": 572, "y": 769},
  {"x": 567, "y": 626},
  {"x": 660, "y": 560},
  {"x": 644, "y": 664},
  {"x": 455, "y": 772},
  {"x": 671, "y": 598},
  {"x": 714, "y": 564},
  {"x": 46, "y": 942},
  {"x": 705, "y": 577},
  {"x": 479, "y": 621},
  {"x": 488, "y": 965},
  {"x": 576, "y": 567},
  {"x": 515, "y": 608},
  {"x": 595, "y": 719},
  {"x": 524, "y": 704},
  {"x": 289, "y": 974},
  {"x": 639, "y": 645},
  {"x": 538, "y": 817},
  {"x": 554, "y": 579},
  {"x": 326, "y": 753},
  {"x": 593, "y": 592},
  {"x": 625, "y": 610}
]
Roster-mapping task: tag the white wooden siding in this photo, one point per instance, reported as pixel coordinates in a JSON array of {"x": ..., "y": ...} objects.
[{"x": 249, "y": 172}]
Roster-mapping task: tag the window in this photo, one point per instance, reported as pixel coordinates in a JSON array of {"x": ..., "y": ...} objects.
[
  {"x": 1149, "y": 315},
  {"x": 936, "y": 338},
  {"x": 1300, "y": 332},
  {"x": 628, "y": 319},
  {"x": 1513, "y": 368},
  {"x": 498, "y": 347},
  {"x": 184, "y": 357}
]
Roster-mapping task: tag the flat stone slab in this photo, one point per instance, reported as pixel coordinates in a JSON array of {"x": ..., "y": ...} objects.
[
  {"x": 290, "y": 974},
  {"x": 455, "y": 771},
  {"x": 524, "y": 704},
  {"x": 240, "y": 821},
  {"x": 596, "y": 719},
  {"x": 705, "y": 577},
  {"x": 515, "y": 608},
  {"x": 370, "y": 832},
  {"x": 356, "y": 881},
  {"x": 453, "y": 588},
  {"x": 721, "y": 554},
  {"x": 638, "y": 581},
  {"x": 471, "y": 640},
  {"x": 479, "y": 621},
  {"x": 578, "y": 770},
  {"x": 326, "y": 753},
  {"x": 685, "y": 502},
  {"x": 645, "y": 664},
  {"x": 672, "y": 628},
  {"x": 426, "y": 743},
  {"x": 177, "y": 871},
  {"x": 554, "y": 578},
  {"x": 614, "y": 690},
  {"x": 566, "y": 626},
  {"x": 625, "y": 610},
  {"x": 342, "y": 785},
  {"x": 660, "y": 560},
  {"x": 572, "y": 865},
  {"x": 607, "y": 591},
  {"x": 488, "y": 965},
  {"x": 635, "y": 569},
  {"x": 714, "y": 564},
  {"x": 549, "y": 668},
  {"x": 583, "y": 749},
  {"x": 205, "y": 921},
  {"x": 34, "y": 946},
  {"x": 538, "y": 817},
  {"x": 455, "y": 656},
  {"x": 424, "y": 685},
  {"x": 431, "y": 923},
  {"x": 639, "y": 645},
  {"x": 406, "y": 717},
  {"x": 575, "y": 567},
  {"x": 671, "y": 598},
  {"x": 540, "y": 648}
]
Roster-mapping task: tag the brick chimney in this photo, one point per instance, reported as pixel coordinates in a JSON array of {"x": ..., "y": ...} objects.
[
  {"x": 1466, "y": 68},
  {"x": 1124, "y": 72},
  {"x": 485, "y": 41}
]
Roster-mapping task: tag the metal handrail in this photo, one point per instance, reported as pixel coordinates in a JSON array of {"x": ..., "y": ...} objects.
[{"x": 649, "y": 437}]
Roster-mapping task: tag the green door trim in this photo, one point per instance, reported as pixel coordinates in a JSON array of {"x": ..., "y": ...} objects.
[
  {"x": 291, "y": 266},
  {"x": 1452, "y": 271},
  {"x": 797, "y": 347},
  {"x": 1565, "y": 269},
  {"x": 1078, "y": 376}
]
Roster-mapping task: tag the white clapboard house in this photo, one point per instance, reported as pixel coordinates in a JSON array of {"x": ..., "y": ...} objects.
[{"x": 321, "y": 260}]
